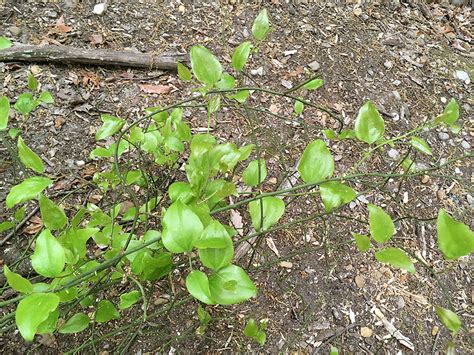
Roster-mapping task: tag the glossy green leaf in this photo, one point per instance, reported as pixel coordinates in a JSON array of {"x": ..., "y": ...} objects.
[
  {"x": 76, "y": 324},
  {"x": 181, "y": 191},
  {"x": 34, "y": 310},
  {"x": 335, "y": 194},
  {"x": 5, "y": 43},
  {"x": 261, "y": 25},
  {"x": 231, "y": 285},
  {"x": 20, "y": 214},
  {"x": 216, "y": 249},
  {"x": 27, "y": 190},
  {"x": 213, "y": 236},
  {"x": 381, "y": 224},
  {"x": 17, "y": 282},
  {"x": 362, "y": 242},
  {"x": 219, "y": 189},
  {"x": 4, "y": 112},
  {"x": 314, "y": 84},
  {"x": 25, "y": 103},
  {"x": 241, "y": 55},
  {"x": 197, "y": 284},
  {"x": 449, "y": 319},
  {"x": 251, "y": 173},
  {"x": 74, "y": 240},
  {"x": 106, "y": 311},
  {"x": 299, "y": 107},
  {"x": 450, "y": 113},
  {"x": 28, "y": 157},
  {"x": 395, "y": 257},
  {"x": 245, "y": 151},
  {"x": 273, "y": 209},
  {"x": 52, "y": 215},
  {"x": 455, "y": 239},
  {"x": 316, "y": 163},
  {"x": 129, "y": 299},
  {"x": 183, "y": 72},
  {"x": 369, "y": 124},
  {"x": 205, "y": 65},
  {"x": 32, "y": 82},
  {"x": 49, "y": 325},
  {"x": 420, "y": 144},
  {"x": 227, "y": 82},
  {"x": 49, "y": 258},
  {"x": 110, "y": 126},
  {"x": 181, "y": 228}
]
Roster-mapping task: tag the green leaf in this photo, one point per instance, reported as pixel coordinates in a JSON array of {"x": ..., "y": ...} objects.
[
  {"x": 46, "y": 97},
  {"x": 299, "y": 107},
  {"x": 197, "y": 284},
  {"x": 17, "y": 282},
  {"x": 251, "y": 173},
  {"x": 32, "y": 82},
  {"x": 369, "y": 124},
  {"x": 110, "y": 126},
  {"x": 49, "y": 325},
  {"x": 314, "y": 84},
  {"x": 421, "y": 145},
  {"x": 333, "y": 351},
  {"x": 261, "y": 25},
  {"x": 316, "y": 163},
  {"x": 5, "y": 43},
  {"x": 106, "y": 311},
  {"x": 13, "y": 132},
  {"x": 181, "y": 228},
  {"x": 181, "y": 191},
  {"x": 240, "y": 96},
  {"x": 203, "y": 316},
  {"x": 25, "y": 103},
  {"x": 27, "y": 190},
  {"x": 335, "y": 194},
  {"x": 214, "y": 104},
  {"x": 52, "y": 215},
  {"x": 6, "y": 226},
  {"x": 216, "y": 248},
  {"x": 28, "y": 157},
  {"x": 129, "y": 299},
  {"x": 347, "y": 134},
  {"x": 213, "y": 236},
  {"x": 450, "y": 114},
  {"x": 76, "y": 324},
  {"x": 20, "y": 213},
  {"x": 455, "y": 239},
  {"x": 449, "y": 319},
  {"x": 183, "y": 72},
  {"x": 251, "y": 328},
  {"x": 273, "y": 209},
  {"x": 49, "y": 258},
  {"x": 245, "y": 151},
  {"x": 241, "y": 55},
  {"x": 395, "y": 257},
  {"x": 205, "y": 65},
  {"x": 381, "y": 224},
  {"x": 219, "y": 189},
  {"x": 34, "y": 310},
  {"x": 4, "y": 112},
  {"x": 227, "y": 82},
  {"x": 231, "y": 285},
  {"x": 362, "y": 242}
]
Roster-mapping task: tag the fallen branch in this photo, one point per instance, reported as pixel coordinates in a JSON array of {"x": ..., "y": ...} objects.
[{"x": 105, "y": 57}]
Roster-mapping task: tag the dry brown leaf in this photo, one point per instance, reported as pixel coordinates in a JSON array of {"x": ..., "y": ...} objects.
[
  {"x": 156, "y": 89},
  {"x": 60, "y": 27},
  {"x": 96, "y": 39},
  {"x": 34, "y": 226},
  {"x": 272, "y": 246}
]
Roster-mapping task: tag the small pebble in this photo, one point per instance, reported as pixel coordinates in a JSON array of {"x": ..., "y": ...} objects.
[
  {"x": 463, "y": 76},
  {"x": 443, "y": 136},
  {"x": 366, "y": 332},
  {"x": 388, "y": 64},
  {"x": 393, "y": 154},
  {"x": 314, "y": 65},
  {"x": 396, "y": 82},
  {"x": 99, "y": 9},
  {"x": 466, "y": 145},
  {"x": 15, "y": 31},
  {"x": 80, "y": 163}
]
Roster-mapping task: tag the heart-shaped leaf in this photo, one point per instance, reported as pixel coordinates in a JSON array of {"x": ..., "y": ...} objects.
[
  {"x": 381, "y": 224},
  {"x": 77, "y": 323},
  {"x": 369, "y": 124},
  {"x": 395, "y": 257},
  {"x": 52, "y": 215},
  {"x": 455, "y": 239},
  {"x": 272, "y": 207},
  {"x": 110, "y": 126},
  {"x": 251, "y": 173},
  {"x": 49, "y": 258},
  {"x": 241, "y": 55},
  {"x": 334, "y": 194},
  {"x": 261, "y": 25},
  {"x": 27, "y": 190},
  {"x": 197, "y": 284},
  {"x": 316, "y": 163},
  {"x": 205, "y": 65},
  {"x": 231, "y": 285}
]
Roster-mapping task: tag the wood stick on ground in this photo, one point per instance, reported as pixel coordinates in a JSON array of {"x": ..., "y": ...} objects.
[{"x": 104, "y": 57}]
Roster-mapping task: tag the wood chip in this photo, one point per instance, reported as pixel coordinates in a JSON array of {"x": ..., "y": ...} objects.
[
  {"x": 360, "y": 281},
  {"x": 286, "y": 264}
]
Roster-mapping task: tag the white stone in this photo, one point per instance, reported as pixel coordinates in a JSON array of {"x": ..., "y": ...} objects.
[
  {"x": 99, "y": 9},
  {"x": 462, "y": 75},
  {"x": 314, "y": 65},
  {"x": 466, "y": 145}
]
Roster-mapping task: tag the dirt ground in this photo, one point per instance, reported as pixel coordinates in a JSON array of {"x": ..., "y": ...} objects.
[{"x": 409, "y": 59}]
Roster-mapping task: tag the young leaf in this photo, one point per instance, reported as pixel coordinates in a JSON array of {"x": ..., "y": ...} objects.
[
  {"x": 450, "y": 114},
  {"x": 49, "y": 258},
  {"x": 25, "y": 103},
  {"x": 106, "y": 311},
  {"x": 251, "y": 173},
  {"x": 316, "y": 163},
  {"x": 245, "y": 151},
  {"x": 27, "y": 190},
  {"x": 28, "y": 157},
  {"x": 17, "y": 282},
  {"x": 362, "y": 242},
  {"x": 381, "y": 225},
  {"x": 227, "y": 82},
  {"x": 181, "y": 228},
  {"x": 333, "y": 351},
  {"x": 77, "y": 323},
  {"x": 251, "y": 328},
  {"x": 110, "y": 126},
  {"x": 4, "y": 112},
  {"x": 241, "y": 55},
  {"x": 334, "y": 194},
  {"x": 45, "y": 97},
  {"x": 449, "y": 319},
  {"x": 203, "y": 315},
  {"x": 455, "y": 239},
  {"x": 205, "y": 65},
  {"x": 181, "y": 191},
  {"x": 314, "y": 84},
  {"x": 369, "y": 124},
  {"x": 395, "y": 257},
  {"x": 32, "y": 82},
  {"x": 273, "y": 209},
  {"x": 299, "y": 107},
  {"x": 197, "y": 284},
  {"x": 240, "y": 96},
  {"x": 183, "y": 72},
  {"x": 5, "y": 43},
  {"x": 217, "y": 258},
  {"x": 213, "y": 236},
  {"x": 129, "y": 299},
  {"x": 261, "y": 25},
  {"x": 214, "y": 104},
  {"x": 6, "y": 226},
  {"x": 231, "y": 285},
  {"x": 52, "y": 215},
  {"x": 34, "y": 310},
  {"x": 420, "y": 144}
]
